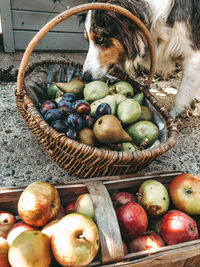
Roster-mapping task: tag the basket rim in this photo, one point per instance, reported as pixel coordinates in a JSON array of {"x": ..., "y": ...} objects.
[{"x": 114, "y": 156}]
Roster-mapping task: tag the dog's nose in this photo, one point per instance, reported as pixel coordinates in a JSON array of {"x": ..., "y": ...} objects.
[{"x": 87, "y": 76}]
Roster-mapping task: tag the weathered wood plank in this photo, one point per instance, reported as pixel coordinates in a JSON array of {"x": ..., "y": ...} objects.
[
  {"x": 47, "y": 6},
  {"x": 34, "y": 21},
  {"x": 7, "y": 30},
  {"x": 52, "y": 41}
]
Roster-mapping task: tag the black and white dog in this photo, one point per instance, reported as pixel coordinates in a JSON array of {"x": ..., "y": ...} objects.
[{"x": 174, "y": 26}]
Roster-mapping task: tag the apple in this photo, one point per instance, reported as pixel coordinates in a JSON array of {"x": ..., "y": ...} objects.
[
  {"x": 133, "y": 220},
  {"x": 49, "y": 228},
  {"x": 84, "y": 205},
  {"x": 125, "y": 247},
  {"x": 70, "y": 208},
  {"x": 148, "y": 241},
  {"x": 177, "y": 227},
  {"x": 39, "y": 203},
  {"x": 75, "y": 241},
  {"x": 154, "y": 198},
  {"x": 17, "y": 229},
  {"x": 185, "y": 193},
  {"x": 154, "y": 224},
  {"x": 122, "y": 198},
  {"x": 30, "y": 249},
  {"x": 61, "y": 213},
  {"x": 4, "y": 247},
  {"x": 7, "y": 220}
]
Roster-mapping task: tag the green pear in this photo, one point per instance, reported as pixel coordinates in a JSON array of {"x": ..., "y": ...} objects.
[
  {"x": 129, "y": 111},
  {"x": 30, "y": 249},
  {"x": 95, "y": 90},
  {"x": 119, "y": 98},
  {"x": 127, "y": 146},
  {"x": 154, "y": 197},
  {"x": 122, "y": 87},
  {"x": 139, "y": 98},
  {"x": 109, "y": 99}
]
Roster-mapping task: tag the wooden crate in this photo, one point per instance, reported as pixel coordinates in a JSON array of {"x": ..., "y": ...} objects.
[
  {"x": 185, "y": 254},
  {"x": 22, "y": 19}
]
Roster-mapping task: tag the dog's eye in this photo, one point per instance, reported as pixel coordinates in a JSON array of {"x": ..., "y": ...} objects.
[{"x": 99, "y": 39}]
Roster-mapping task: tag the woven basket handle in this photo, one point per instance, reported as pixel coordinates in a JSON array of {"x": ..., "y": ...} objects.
[{"x": 68, "y": 13}]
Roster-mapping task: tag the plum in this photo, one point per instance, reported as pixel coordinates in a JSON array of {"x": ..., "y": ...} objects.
[
  {"x": 53, "y": 115},
  {"x": 83, "y": 109},
  {"x": 64, "y": 102},
  {"x": 47, "y": 105},
  {"x": 71, "y": 132},
  {"x": 103, "y": 109},
  {"x": 75, "y": 104},
  {"x": 59, "y": 126},
  {"x": 90, "y": 121},
  {"x": 69, "y": 97},
  {"x": 76, "y": 121},
  {"x": 66, "y": 110}
]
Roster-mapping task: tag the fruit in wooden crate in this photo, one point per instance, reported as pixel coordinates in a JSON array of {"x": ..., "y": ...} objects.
[
  {"x": 122, "y": 198},
  {"x": 108, "y": 129},
  {"x": 30, "y": 249},
  {"x": 154, "y": 197},
  {"x": 4, "y": 247},
  {"x": 95, "y": 90},
  {"x": 143, "y": 133},
  {"x": 39, "y": 203},
  {"x": 17, "y": 229},
  {"x": 75, "y": 241},
  {"x": 50, "y": 227},
  {"x": 7, "y": 220},
  {"x": 129, "y": 111},
  {"x": 84, "y": 205},
  {"x": 121, "y": 87},
  {"x": 61, "y": 212},
  {"x": 177, "y": 227},
  {"x": 185, "y": 193},
  {"x": 75, "y": 86},
  {"x": 70, "y": 207},
  {"x": 133, "y": 220},
  {"x": 154, "y": 224},
  {"x": 148, "y": 241}
]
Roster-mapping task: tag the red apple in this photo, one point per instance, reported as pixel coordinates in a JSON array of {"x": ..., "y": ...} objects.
[
  {"x": 185, "y": 193},
  {"x": 132, "y": 220},
  {"x": 70, "y": 208},
  {"x": 148, "y": 241},
  {"x": 75, "y": 240},
  {"x": 7, "y": 220},
  {"x": 4, "y": 247},
  {"x": 39, "y": 203},
  {"x": 122, "y": 198},
  {"x": 17, "y": 229},
  {"x": 177, "y": 227}
]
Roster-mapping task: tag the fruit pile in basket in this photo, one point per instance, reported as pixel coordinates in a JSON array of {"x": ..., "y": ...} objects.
[
  {"x": 51, "y": 233},
  {"x": 101, "y": 114}
]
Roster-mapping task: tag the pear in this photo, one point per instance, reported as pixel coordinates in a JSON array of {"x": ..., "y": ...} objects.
[
  {"x": 129, "y": 111},
  {"x": 122, "y": 87},
  {"x": 108, "y": 129},
  {"x": 86, "y": 136},
  {"x": 30, "y": 249},
  {"x": 127, "y": 146},
  {"x": 109, "y": 99},
  {"x": 95, "y": 90},
  {"x": 75, "y": 86},
  {"x": 139, "y": 98},
  {"x": 119, "y": 98}
]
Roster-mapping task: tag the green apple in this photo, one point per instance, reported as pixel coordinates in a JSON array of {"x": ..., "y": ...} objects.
[
  {"x": 154, "y": 197},
  {"x": 75, "y": 241},
  {"x": 39, "y": 203},
  {"x": 84, "y": 205},
  {"x": 30, "y": 249}
]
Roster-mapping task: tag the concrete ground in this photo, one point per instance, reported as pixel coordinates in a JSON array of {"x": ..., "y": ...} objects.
[{"x": 24, "y": 161}]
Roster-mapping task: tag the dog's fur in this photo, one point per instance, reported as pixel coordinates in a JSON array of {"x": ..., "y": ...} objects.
[{"x": 174, "y": 26}]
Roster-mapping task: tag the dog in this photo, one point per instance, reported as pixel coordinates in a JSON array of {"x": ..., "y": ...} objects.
[{"x": 174, "y": 26}]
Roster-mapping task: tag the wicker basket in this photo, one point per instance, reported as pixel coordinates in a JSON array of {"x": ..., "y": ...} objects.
[{"x": 79, "y": 159}]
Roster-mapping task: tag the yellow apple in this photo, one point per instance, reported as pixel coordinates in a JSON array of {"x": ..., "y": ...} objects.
[
  {"x": 84, "y": 205},
  {"x": 30, "y": 249},
  {"x": 7, "y": 220},
  {"x": 49, "y": 228},
  {"x": 75, "y": 241},
  {"x": 39, "y": 203},
  {"x": 4, "y": 252}
]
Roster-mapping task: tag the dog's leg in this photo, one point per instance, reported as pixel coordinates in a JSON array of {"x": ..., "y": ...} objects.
[{"x": 190, "y": 84}]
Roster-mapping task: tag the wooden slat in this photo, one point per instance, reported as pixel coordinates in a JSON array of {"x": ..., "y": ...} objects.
[
  {"x": 52, "y": 41},
  {"x": 44, "y": 5},
  {"x": 34, "y": 21},
  {"x": 7, "y": 30}
]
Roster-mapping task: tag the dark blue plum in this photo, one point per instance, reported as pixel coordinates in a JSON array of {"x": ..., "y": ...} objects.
[
  {"x": 75, "y": 104},
  {"x": 53, "y": 115},
  {"x": 66, "y": 123},
  {"x": 103, "y": 109},
  {"x": 69, "y": 97},
  {"x": 66, "y": 110},
  {"x": 64, "y": 102},
  {"x": 71, "y": 133},
  {"x": 47, "y": 105},
  {"x": 75, "y": 120},
  {"x": 59, "y": 126},
  {"x": 90, "y": 121}
]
